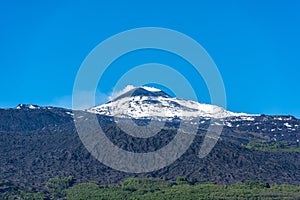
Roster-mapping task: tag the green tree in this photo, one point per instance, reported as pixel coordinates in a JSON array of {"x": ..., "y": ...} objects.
[
  {"x": 181, "y": 180},
  {"x": 257, "y": 184},
  {"x": 57, "y": 186},
  {"x": 30, "y": 196}
]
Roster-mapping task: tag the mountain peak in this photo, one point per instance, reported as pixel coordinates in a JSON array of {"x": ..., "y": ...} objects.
[
  {"x": 143, "y": 91},
  {"x": 147, "y": 102}
]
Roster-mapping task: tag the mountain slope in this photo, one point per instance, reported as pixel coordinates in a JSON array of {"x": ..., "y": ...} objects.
[
  {"x": 38, "y": 143},
  {"x": 32, "y": 152}
]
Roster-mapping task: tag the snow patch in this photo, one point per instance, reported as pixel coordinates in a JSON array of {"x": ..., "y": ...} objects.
[
  {"x": 32, "y": 107},
  {"x": 287, "y": 125},
  {"x": 248, "y": 118},
  {"x": 69, "y": 113},
  {"x": 151, "y": 89},
  {"x": 228, "y": 124}
]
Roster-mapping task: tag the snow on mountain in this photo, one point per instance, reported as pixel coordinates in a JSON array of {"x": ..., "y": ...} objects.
[
  {"x": 32, "y": 107},
  {"x": 151, "y": 89},
  {"x": 148, "y": 102},
  {"x": 27, "y": 106}
]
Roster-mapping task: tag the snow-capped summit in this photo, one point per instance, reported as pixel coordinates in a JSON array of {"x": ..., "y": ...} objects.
[
  {"x": 142, "y": 91},
  {"x": 148, "y": 102}
]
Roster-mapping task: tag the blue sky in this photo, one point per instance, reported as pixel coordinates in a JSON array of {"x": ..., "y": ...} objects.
[{"x": 255, "y": 45}]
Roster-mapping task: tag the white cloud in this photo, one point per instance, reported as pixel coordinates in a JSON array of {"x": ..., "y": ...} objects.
[{"x": 123, "y": 91}]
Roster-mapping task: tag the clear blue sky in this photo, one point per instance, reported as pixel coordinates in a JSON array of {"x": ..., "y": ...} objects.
[{"x": 255, "y": 44}]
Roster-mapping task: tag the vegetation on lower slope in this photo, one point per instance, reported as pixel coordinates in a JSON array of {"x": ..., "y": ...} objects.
[
  {"x": 274, "y": 146},
  {"x": 153, "y": 188},
  {"x": 150, "y": 188}
]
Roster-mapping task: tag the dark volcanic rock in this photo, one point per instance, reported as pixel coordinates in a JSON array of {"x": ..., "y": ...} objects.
[{"x": 38, "y": 144}]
